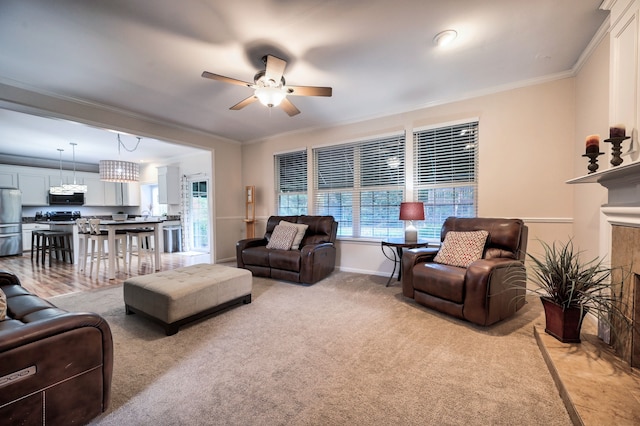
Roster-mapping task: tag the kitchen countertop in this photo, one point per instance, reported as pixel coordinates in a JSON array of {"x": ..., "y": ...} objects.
[{"x": 66, "y": 222}]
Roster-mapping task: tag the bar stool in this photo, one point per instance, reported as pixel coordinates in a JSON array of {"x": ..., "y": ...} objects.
[
  {"x": 99, "y": 237},
  {"x": 56, "y": 244},
  {"x": 84, "y": 234},
  {"x": 36, "y": 245},
  {"x": 141, "y": 243}
]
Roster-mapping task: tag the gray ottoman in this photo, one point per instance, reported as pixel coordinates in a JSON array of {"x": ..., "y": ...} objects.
[{"x": 178, "y": 296}]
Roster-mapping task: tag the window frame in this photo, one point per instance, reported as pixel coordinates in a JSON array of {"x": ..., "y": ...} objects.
[{"x": 299, "y": 160}]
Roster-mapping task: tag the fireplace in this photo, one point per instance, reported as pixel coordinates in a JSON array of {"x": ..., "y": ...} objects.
[
  {"x": 625, "y": 261},
  {"x": 620, "y": 234}
]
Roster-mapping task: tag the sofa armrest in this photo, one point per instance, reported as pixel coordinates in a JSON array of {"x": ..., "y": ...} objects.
[
  {"x": 8, "y": 278},
  {"x": 62, "y": 339},
  {"x": 246, "y": 243},
  {"x": 493, "y": 288},
  {"x": 410, "y": 258},
  {"x": 316, "y": 262}
]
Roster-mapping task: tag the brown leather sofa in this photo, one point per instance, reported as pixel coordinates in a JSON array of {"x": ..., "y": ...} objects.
[
  {"x": 314, "y": 260},
  {"x": 482, "y": 293},
  {"x": 55, "y": 366}
]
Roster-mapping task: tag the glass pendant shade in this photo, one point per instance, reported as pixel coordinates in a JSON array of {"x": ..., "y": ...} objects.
[
  {"x": 270, "y": 96},
  {"x": 119, "y": 171},
  {"x": 74, "y": 188}
]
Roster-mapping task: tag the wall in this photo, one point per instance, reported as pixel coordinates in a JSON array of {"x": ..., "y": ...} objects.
[
  {"x": 526, "y": 154},
  {"x": 592, "y": 117}
]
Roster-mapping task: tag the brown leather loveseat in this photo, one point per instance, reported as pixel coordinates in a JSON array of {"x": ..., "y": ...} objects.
[
  {"x": 55, "y": 366},
  {"x": 481, "y": 292},
  {"x": 313, "y": 260}
]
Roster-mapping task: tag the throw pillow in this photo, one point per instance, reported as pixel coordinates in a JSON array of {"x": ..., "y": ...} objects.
[
  {"x": 461, "y": 248},
  {"x": 3, "y": 306},
  {"x": 299, "y": 235},
  {"x": 282, "y": 237}
]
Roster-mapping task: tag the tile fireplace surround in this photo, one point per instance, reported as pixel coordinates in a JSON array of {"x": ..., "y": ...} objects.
[
  {"x": 622, "y": 213},
  {"x": 607, "y": 390}
]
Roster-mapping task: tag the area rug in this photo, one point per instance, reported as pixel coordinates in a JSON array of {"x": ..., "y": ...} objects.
[{"x": 347, "y": 350}]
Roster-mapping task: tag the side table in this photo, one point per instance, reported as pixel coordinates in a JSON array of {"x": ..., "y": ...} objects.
[{"x": 399, "y": 244}]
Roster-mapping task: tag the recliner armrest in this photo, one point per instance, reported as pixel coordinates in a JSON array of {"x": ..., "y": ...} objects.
[
  {"x": 487, "y": 285},
  {"x": 410, "y": 258},
  {"x": 247, "y": 243}
]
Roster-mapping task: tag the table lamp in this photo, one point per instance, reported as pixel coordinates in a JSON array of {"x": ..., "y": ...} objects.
[{"x": 411, "y": 211}]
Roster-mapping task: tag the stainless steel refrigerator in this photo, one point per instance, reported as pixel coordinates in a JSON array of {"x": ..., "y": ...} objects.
[{"x": 10, "y": 221}]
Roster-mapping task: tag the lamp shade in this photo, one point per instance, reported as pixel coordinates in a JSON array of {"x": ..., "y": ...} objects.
[
  {"x": 412, "y": 211},
  {"x": 119, "y": 171},
  {"x": 270, "y": 96}
]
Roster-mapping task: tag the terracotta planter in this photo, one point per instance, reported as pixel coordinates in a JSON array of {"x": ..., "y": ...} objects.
[{"x": 564, "y": 325}]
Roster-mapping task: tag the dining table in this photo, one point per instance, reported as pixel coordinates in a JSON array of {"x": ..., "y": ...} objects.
[{"x": 113, "y": 225}]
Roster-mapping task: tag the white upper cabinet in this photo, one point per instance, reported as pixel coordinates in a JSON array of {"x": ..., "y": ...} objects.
[{"x": 168, "y": 185}]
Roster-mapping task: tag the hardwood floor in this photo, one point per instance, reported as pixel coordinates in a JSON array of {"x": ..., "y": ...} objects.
[{"x": 64, "y": 278}]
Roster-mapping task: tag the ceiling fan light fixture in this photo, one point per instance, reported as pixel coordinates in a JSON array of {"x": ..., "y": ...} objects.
[
  {"x": 270, "y": 96},
  {"x": 444, "y": 38}
]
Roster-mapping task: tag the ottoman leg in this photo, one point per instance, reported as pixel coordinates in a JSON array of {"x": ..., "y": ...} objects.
[
  {"x": 128, "y": 310},
  {"x": 171, "y": 329}
]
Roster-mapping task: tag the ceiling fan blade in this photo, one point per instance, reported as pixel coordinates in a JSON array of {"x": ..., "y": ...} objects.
[
  {"x": 309, "y": 91},
  {"x": 243, "y": 103},
  {"x": 275, "y": 68},
  {"x": 212, "y": 76},
  {"x": 289, "y": 108}
]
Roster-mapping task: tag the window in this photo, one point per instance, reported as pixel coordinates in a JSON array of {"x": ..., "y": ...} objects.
[
  {"x": 445, "y": 174},
  {"x": 362, "y": 185},
  {"x": 291, "y": 183}
]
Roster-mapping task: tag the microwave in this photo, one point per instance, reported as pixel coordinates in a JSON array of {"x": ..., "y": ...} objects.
[{"x": 75, "y": 199}]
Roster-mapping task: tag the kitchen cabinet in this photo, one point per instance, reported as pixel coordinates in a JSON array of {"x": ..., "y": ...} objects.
[
  {"x": 8, "y": 179},
  {"x": 122, "y": 194},
  {"x": 95, "y": 191},
  {"x": 27, "y": 230},
  {"x": 168, "y": 185},
  {"x": 34, "y": 187}
]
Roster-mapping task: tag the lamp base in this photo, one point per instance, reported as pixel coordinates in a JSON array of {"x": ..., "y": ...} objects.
[{"x": 410, "y": 234}]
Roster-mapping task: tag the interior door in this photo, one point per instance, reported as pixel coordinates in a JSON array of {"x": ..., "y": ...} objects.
[{"x": 199, "y": 215}]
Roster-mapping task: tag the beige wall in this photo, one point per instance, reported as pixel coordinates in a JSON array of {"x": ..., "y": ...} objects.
[
  {"x": 592, "y": 117},
  {"x": 526, "y": 155}
]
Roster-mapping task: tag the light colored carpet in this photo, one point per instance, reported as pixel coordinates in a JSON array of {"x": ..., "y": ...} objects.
[{"x": 347, "y": 350}]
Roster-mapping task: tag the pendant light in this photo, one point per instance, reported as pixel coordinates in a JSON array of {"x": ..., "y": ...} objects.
[
  {"x": 74, "y": 187},
  {"x": 60, "y": 190},
  {"x": 118, "y": 170}
]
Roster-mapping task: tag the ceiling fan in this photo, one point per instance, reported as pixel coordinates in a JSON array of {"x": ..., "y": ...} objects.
[{"x": 270, "y": 87}]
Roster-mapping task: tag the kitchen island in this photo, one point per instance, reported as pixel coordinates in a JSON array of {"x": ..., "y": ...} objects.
[{"x": 111, "y": 226}]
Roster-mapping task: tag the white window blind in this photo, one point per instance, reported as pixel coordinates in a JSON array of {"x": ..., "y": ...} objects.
[
  {"x": 445, "y": 174},
  {"x": 291, "y": 183},
  {"x": 361, "y": 184}
]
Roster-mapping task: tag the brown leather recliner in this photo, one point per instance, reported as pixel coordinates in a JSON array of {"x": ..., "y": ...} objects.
[
  {"x": 482, "y": 293},
  {"x": 314, "y": 260},
  {"x": 55, "y": 366}
]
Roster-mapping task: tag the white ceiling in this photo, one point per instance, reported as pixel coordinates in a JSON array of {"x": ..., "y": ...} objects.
[{"x": 146, "y": 57}]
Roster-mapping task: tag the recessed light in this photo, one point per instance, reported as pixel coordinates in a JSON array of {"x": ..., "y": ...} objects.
[{"x": 445, "y": 37}]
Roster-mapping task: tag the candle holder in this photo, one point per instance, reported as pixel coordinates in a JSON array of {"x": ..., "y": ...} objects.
[
  {"x": 593, "y": 160},
  {"x": 616, "y": 149}
]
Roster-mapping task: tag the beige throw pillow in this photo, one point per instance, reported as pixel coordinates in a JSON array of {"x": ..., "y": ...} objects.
[
  {"x": 299, "y": 235},
  {"x": 3, "y": 306},
  {"x": 461, "y": 248},
  {"x": 282, "y": 237}
]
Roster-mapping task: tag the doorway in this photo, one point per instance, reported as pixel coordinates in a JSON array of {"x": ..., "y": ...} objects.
[{"x": 199, "y": 215}]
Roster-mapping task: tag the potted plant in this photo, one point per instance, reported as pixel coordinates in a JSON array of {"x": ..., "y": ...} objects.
[{"x": 569, "y": 288}]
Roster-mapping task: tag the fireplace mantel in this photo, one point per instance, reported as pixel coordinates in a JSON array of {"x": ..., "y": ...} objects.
[
  {"x": 623, "y": 185},
  {"x": 621, "y": 174}
]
